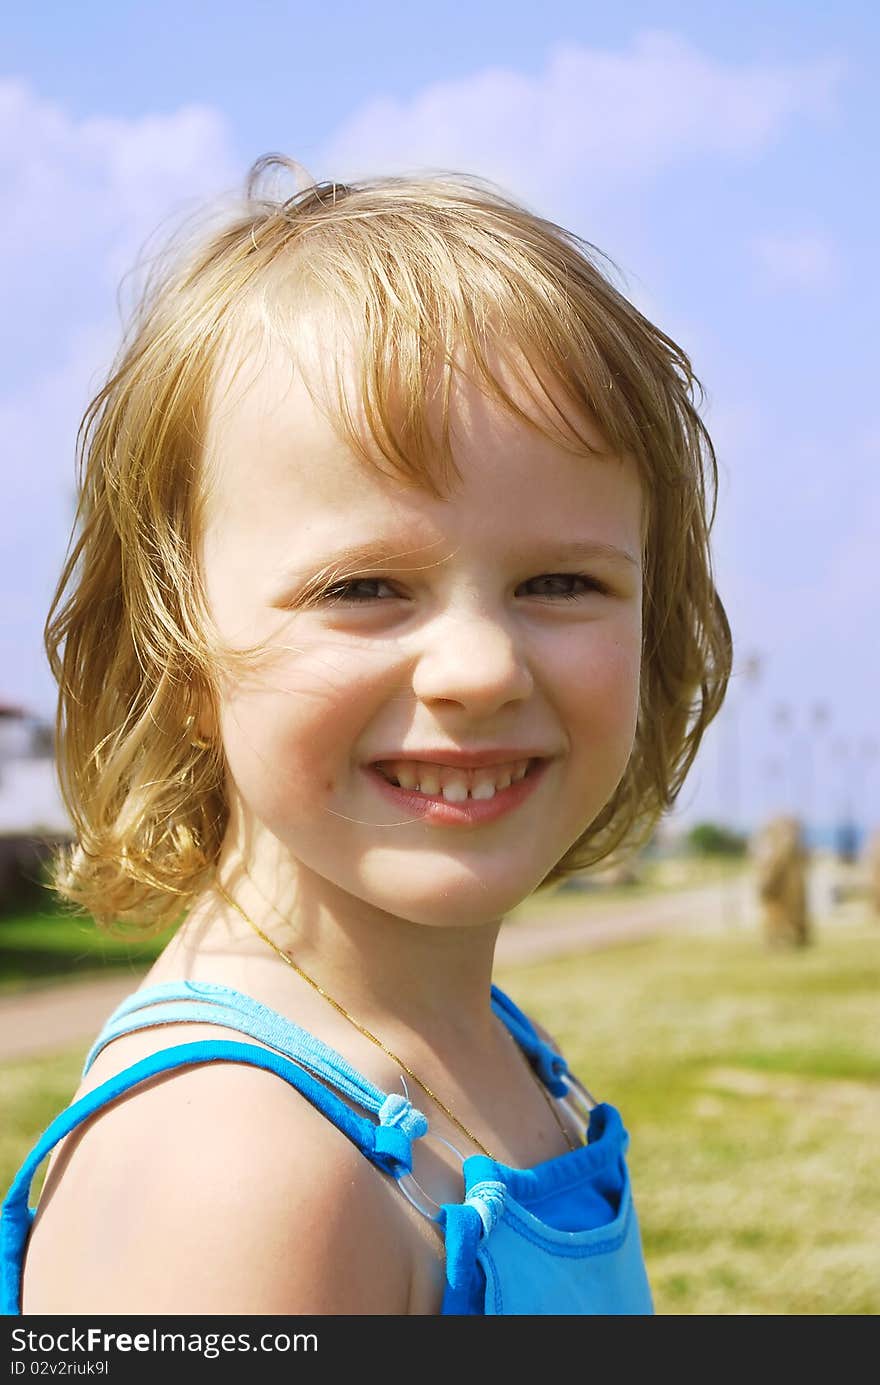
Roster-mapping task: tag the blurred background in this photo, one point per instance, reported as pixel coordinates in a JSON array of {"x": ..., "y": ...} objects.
[{"x": 725, "y": 158}]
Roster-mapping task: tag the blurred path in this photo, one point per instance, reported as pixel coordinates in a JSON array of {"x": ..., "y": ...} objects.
[
  {"x": 45, "y": 1019},
  {"x": 537, "y": 936}
]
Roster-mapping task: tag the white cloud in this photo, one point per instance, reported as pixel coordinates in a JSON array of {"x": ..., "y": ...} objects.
[
  {"x": 80, "y": 200},
  {"x": 800, "y": 261},
  {"x": 621, "y": 115},
  {"x": 66, "y": 177}
]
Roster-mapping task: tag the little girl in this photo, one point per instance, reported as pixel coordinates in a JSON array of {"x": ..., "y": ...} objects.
[{"x": 391, "y": 604}]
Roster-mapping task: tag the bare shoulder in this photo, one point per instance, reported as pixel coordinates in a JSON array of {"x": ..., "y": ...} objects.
[{"x": 217, "y": 1189}]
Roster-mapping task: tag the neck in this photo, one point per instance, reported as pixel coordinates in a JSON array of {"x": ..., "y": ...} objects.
[{"x": 393, "y": 975}]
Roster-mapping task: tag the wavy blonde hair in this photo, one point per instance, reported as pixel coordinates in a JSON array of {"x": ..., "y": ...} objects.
[{"x": 419, "y": 267}]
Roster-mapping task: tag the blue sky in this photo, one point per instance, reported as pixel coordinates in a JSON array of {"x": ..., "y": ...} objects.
[{"x": 725, "y": 158}]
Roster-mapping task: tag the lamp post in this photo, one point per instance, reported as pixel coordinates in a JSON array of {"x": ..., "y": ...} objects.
[
  {"x": 774, "y": 772},
  {"x": 782, "y": 720},
  {"x": 820, "y": 715},
  {"x": 869, "y": 751},
  {"x": 845, "y": 845},
  {"x": 731, "y": 775}
]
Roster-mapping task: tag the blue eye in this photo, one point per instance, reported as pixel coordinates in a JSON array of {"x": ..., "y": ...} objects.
[{"x": 346, "y": 593}]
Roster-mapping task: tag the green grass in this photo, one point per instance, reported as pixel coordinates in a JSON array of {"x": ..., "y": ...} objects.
[
  {"x": 33, "y": 1093},
  {"x": 749, "y": 1080},
  {"x": 43, "y": 945}
]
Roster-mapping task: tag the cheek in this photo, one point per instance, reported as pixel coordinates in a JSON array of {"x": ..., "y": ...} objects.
[
  {"x": 622, "y": 683},
  {"x": 291, "y": 734},
  {"x": 601, "y": 678}
]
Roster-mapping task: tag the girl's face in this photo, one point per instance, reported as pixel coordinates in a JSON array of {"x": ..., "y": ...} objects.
[{"x": 481, "y": 630}]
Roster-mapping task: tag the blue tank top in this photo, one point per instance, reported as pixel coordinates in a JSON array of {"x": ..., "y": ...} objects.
[{"x": 559, "y": 1238}]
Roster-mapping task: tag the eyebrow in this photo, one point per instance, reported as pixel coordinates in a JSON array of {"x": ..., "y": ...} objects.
[
  {"x": 380, "y": 553},
  {"x": 583, "y": 550}
]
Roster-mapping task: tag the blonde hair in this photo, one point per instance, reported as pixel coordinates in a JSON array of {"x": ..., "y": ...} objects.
[{"x": 420, "y": 267}]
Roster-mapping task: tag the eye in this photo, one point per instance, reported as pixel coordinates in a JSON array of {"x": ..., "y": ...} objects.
[
  {"x": 347, "y": 592},
  {"x": 591, "y": 584}
]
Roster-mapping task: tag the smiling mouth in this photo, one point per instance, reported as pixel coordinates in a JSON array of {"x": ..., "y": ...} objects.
[{"x": 455, "y": 785}]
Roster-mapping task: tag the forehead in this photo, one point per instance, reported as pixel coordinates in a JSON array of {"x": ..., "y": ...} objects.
[{"x": 277, "y": 455}]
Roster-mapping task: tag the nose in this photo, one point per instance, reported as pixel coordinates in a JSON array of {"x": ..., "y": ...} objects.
[{"x": 474, "y": 660}]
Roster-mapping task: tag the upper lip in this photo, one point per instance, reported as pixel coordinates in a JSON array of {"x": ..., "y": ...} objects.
[{"x": 465, "y": 759}]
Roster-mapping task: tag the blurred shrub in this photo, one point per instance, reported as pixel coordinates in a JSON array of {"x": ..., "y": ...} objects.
[
  {"x": 711, "y": 839},
  {"x": 24, "y": 873}
]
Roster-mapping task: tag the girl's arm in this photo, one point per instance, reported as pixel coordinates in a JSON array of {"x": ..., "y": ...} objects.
[{"x": 218, "y": 1190}]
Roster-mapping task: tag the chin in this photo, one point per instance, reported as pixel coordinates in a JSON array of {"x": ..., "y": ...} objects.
[{"x": 459, "y": 898}]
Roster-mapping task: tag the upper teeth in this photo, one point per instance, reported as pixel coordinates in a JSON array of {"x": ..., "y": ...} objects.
[{"x": 455, "y": 785}]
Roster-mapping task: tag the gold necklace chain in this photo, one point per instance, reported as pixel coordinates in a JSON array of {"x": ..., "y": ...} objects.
[{"x": 385, "y": 1049}]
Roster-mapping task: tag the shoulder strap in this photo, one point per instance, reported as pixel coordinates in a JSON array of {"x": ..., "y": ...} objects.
[
  {"x": 550, "y": 1066},
  {"x": 387, "y": 1144},
  {"x": 193, "y": 1002},
  {"x": 178, "y": 1002}
]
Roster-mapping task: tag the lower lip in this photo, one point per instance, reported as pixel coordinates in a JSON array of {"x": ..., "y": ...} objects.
[{"x": 472, "y": 811}]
